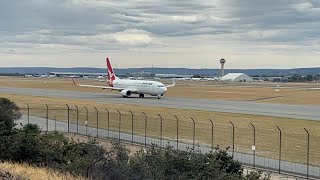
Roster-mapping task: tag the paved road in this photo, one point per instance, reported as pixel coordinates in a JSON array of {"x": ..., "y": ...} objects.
[
  {"x": 243, "y": 107},
  {"x": 246, "y": 159}
]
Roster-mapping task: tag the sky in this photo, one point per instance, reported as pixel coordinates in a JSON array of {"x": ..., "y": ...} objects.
[{"x": 160, "y": 33}]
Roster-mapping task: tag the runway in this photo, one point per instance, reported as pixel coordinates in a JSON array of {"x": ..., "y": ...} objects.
[{"x": 243, "y": 107}]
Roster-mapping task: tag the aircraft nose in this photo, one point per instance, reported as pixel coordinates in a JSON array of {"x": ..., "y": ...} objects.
[{"x": 165, "y": 89}]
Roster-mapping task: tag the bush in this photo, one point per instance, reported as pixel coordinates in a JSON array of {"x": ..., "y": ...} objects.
[
  {"x": 9, "y": 112},
  {"x": 57, "y": 152},
  {"x": 88, "y": 159},
  {"x": 51, "y": 150},
  {"x": 253, "y": 175},
  {"x": 31, "y": 129},
  {"x": 154, "y": 163}
]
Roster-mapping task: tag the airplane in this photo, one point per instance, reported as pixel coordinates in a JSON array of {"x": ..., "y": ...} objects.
[
  {"x": 28, "y": 76},
  {"x": 128, "y": 87},
  {"x": 52, "y": 76},
  {"x": 100, "y": 77},
  {"x": 195, "y": 79}
]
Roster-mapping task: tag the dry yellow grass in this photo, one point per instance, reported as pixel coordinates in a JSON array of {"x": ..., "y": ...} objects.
[
  {"x": 244, "y": 92},
  {"x": 240, "y": 93},
  {"x": 26, "y": 171},
  {"x": 294, "y": 137}
]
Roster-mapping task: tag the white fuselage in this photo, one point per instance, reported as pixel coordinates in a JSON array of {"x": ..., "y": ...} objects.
[{"x": 153, "y": 88}]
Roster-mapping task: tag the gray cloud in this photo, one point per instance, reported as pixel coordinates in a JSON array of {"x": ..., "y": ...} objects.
[{"x": 152, "y": 25}]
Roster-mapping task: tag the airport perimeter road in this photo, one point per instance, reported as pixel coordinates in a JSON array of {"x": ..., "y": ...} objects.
[{"x": 243, "y": 107}]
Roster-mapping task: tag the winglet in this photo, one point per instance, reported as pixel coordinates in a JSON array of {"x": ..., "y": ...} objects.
[{"x": 173, "y": 83}]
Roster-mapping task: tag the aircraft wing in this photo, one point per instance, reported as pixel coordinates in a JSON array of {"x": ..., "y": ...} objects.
[
  {"x": 94, "y": 86},
  {"x": 172, "y": 85}
]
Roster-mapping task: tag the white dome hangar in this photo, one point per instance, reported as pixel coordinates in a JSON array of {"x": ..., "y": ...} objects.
[{"x": 236, "y": 77}]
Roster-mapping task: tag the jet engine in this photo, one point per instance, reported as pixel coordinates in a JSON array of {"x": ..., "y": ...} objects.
[{"x": 126, "y": 93}]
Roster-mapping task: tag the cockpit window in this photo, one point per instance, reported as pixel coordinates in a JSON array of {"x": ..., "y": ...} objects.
[{"x": 161, "y": 86}]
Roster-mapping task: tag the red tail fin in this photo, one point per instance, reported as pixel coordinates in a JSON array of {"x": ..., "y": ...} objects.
[{"x": 111, "y": 74}]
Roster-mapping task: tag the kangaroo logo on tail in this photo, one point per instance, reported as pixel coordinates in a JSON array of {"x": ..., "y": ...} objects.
[{"x": 111, "y": 74}]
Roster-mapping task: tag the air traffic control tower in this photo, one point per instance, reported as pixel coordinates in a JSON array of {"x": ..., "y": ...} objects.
[{"x": 222, "y": 61}]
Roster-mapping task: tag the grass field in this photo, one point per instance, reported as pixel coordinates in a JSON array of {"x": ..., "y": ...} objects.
[
  {"x": 242, "y": 92},
  {"x": 24, "y": 171},
  {"x": 294, "y": 136}
]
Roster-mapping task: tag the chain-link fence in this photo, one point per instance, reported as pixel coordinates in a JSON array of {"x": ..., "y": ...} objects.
[{"x": 269, "y": 148}]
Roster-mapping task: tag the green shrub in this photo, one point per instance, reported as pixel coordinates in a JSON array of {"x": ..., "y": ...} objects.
[
  {"x": 31, "y": 129},
  {"x": 154, "y": 163},
  {"x": 9, "y": 112},
  {"x": 88, "y": 159}
]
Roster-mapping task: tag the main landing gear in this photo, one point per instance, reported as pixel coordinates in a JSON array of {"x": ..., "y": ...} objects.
[{"x": 159, "y": 96}]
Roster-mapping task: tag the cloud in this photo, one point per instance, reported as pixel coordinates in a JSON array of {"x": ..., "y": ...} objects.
[
  {"x": 133, "y": 37},
  {"x": 303, "y": 7},
  {"x": 162, "y": 26}
]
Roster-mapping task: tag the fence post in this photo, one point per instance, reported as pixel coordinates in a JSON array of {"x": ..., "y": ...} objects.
[
  {"x": 280, "y": 147},
  {"x": 119, "y": 126},
  {"x": 77, "y": 118},
  {"x": 232, "y": 138},
  {"x": 87, "y": 118},
  {"x": 211, "y": 133},
  {"x": 193, "y": 132},
  {"x": 47, "y": 118},
  {"x": 55, "y": 122},
  {"x": 160, "y": 130},
  {"x": 28, "y": 113},
  {"x": 308, "y": 151},
  {"x": 97, "y": 111},
  {"x": 177, "y": 131},
  {"x": 68, "y": 117},
  {"x": 108, "y": 122},
  {"x": 145, "y": 128},
  {"x": 131, "y": 127},
  {"x": 254, "y": 145}
]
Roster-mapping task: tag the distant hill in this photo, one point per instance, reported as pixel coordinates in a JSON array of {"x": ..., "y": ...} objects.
[{"x": 183, "y": 71}]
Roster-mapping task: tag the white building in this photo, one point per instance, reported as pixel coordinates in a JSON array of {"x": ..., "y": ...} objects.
[{"x": 237, "y": 77}]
